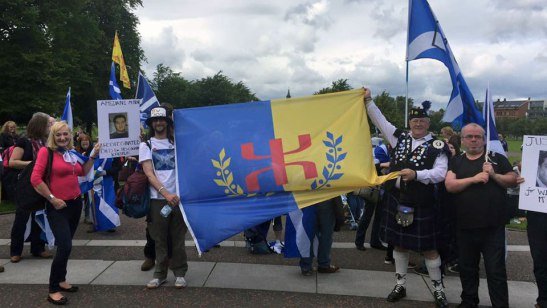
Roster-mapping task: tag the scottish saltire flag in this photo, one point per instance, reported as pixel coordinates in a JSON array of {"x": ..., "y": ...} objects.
[
  {"x": 239, "y": 165},
  {"x": 493, "y": 143},
  {"x": 105, "y": 212},
  {"x": 113, "y": 87},
  {"x": 85, "y": 181},
  {"x": 300, "y": 238},
  {"x": 426, "y": 39},
  {"x": 47, "y": 234},
  {"x": 149, "y": 99},
  {"x": 67, "y": 112}
]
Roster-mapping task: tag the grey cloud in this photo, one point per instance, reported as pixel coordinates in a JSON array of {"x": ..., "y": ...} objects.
[
  {"x": 307, "y": 14},
  {"x": 389, "y": 19},
  {"x": 164, "y": 50}
]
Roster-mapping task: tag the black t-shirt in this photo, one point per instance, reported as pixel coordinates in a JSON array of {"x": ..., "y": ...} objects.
[
  {"x": 26, "y": 145},
  {"x": 479, "y": 205}
]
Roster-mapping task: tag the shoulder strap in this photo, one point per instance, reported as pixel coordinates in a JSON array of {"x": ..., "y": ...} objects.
[{"x": 49, "y": 164}]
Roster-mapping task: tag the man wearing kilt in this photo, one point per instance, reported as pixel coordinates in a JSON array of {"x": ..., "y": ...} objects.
[{"x": 412, "y": 212}]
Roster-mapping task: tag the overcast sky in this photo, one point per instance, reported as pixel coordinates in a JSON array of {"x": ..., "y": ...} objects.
[{"x": 305, "y": 45}]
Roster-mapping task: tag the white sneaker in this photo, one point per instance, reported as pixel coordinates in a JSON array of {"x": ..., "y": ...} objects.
[
  {"x": 278, "y": 247},
  {"x": 155, "y": 283},
  {"x": 180, "y": 283}
]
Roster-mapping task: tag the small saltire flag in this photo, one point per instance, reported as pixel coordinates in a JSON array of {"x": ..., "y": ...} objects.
[
  {"x": 426, "y": 39},
  {"x": 47, "y": 234},
  {"x": 300, "y": 234},
  {"x": 117, "y": 57},
  {"x": 239, "y": 165},
  {"x": 113, "y": 87},
  {"x": 67, "y": 112},
  {"x": 105, "y": 212},
  {"x": 149, "y": 99},
  {"x": 493, "y": 143}
]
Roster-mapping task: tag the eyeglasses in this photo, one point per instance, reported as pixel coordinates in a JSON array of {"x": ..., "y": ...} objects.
[{"x": 478, "y": 137}]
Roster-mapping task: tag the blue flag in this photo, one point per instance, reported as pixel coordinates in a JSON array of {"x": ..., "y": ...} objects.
[
  {"x": 493, "y": 143},
  {"x": 67, "y": 112},
  {"x": 426, "y": 39},
  {"x": 149, "y": 99},
  {"x": 300, "y": 238},
  {"x": 105, "y": 212},
  {"x": 113, "y": 87}
]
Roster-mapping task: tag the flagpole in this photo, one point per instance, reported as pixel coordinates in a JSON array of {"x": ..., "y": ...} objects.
[
  {"x": 138, "y": 81},
  {"x": 406, "y": 97}
]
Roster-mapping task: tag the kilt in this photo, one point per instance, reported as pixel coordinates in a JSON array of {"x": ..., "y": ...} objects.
[{"x": 422, "y": 235}]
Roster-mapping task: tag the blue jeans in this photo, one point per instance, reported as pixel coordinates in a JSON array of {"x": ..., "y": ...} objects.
[{"x": 324, "y": 228}]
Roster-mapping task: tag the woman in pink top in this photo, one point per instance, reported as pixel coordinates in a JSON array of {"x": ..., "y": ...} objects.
[{"x": 64, "y": 207}]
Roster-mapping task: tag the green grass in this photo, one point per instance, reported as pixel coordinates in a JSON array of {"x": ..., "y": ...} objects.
[
  {"x": 514, "y": 145},
  {"x": 7, "y": 207},
  {"x": 515, "y": 226}
]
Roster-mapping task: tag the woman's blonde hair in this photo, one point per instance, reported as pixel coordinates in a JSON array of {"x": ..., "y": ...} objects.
[
  {"x": 7, "y": 125},
  {"x": 56, "y": 127}
]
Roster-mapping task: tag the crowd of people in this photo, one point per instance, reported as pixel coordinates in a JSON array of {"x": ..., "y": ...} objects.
[{"x": 447, "y": 204}]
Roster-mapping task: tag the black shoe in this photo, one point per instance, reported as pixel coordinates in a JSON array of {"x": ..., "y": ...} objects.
[
  {"x": 307, "y": 272},
  {"x": 360, "y": 247},
  {"x": 379, "y": 247},
  {"x": 454, "y": 268},
  {"x": 440, "y": 299},
  {"x": 421, "y": 270},
  {"x": 398, "y": 293},
  {"x": 388, "y": 260},
  {"x": 62, "y": 301}
]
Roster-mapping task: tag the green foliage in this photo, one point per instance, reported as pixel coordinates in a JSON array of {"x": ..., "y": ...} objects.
[
  {"x": 393, "y": 108},
  {"x": 48, "y": 46},
  {"x": 337, "y": 86},
  {"x": 171, "y": 87},
  {"x": 520, "y": 127}
]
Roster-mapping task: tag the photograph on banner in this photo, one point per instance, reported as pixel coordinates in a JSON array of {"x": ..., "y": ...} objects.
[
  {"x": 533, "y": 192},
  {"x": 119, "y": 127}
]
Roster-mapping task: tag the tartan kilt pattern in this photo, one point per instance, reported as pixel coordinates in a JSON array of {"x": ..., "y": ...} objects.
[{"x": 422, "y": 235}]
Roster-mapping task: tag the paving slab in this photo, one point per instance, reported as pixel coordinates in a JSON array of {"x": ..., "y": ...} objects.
[
  {"x": 521, "y": 293},
  {"x": 79, "y": 242},
  {"x": 252, "y": 276},
  {"x": 117, "y": 243},
  {"x": 5, "y": 241},
  {"x": 371, "y": 284},
  {"x": 31, "y": 271},
  {"x": 129, "y": 273}
]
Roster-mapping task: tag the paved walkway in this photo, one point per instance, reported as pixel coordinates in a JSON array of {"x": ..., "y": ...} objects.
[{"x": 250, "y": 276}]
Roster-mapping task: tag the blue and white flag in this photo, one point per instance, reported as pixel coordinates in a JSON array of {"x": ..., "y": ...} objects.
[
  {"x": 300, "y": 237},
  {"x": 105, "y": 212},
  {"x": 426, "y": 39},
  {"x": 67, "y": 112},
  {"x": 493, "y": 143},
  {"x": 113, "y": 87},
  {"x": 47, "y": 234},
  {"x": 149, "y": 99}
]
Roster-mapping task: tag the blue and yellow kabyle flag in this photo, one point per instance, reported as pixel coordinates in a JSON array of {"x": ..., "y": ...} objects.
[{"x": 239, "y": 165}]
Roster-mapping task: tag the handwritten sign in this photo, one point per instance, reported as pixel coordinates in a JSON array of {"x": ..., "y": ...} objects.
[
  {"x": 533, "y": 192},
  {"x": 119, "y": 127}
]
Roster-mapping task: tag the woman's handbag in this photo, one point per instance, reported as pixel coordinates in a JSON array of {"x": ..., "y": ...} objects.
[{"x": 26, "y": 197}]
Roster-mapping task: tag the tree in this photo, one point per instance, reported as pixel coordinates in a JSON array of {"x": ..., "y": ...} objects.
[
  {"x": 337, "y": 86},
  {"x": 171, "y": 87},
  {"x": 48, "y": 46}
]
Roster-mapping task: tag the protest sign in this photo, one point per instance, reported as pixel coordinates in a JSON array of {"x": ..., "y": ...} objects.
[
  {"x": 533, "y": 192},
  {"x": 119, "y": 127}
]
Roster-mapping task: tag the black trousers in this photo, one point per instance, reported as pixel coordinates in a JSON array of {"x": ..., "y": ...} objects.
[
  {"x": 537, "y": 237},
  {"x": 37, "y": 245},
  {"x": 364, "y": 222},
  {"x": 490, "y": 242},
  {"x": 63, "y": 224}
]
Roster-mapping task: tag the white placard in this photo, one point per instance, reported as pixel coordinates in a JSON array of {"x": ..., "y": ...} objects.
[
  {"x": 533, "y": 192},
  {"x": 119, "y": 127}
]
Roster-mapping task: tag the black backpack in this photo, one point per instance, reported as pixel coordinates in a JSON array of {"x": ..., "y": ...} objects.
[
  {"x": 26, "y": 197},
  {"x": 255, "y": 242}
]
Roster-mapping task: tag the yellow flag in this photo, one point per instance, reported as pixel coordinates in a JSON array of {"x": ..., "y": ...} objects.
[{"x": 117, "y": 57}]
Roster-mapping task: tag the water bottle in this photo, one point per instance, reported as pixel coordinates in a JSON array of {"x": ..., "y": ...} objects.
[
  {"x": 405, "y": 215},
  {"x": 166, "y": 210}
]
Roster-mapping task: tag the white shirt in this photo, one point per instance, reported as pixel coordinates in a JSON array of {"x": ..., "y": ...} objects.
[
  {"x": 162, "y": 156},
  {"x": 435, "y": 175}
]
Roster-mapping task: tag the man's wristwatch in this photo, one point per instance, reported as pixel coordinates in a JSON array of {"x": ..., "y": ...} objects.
[{"x": 51, "y": 197}]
